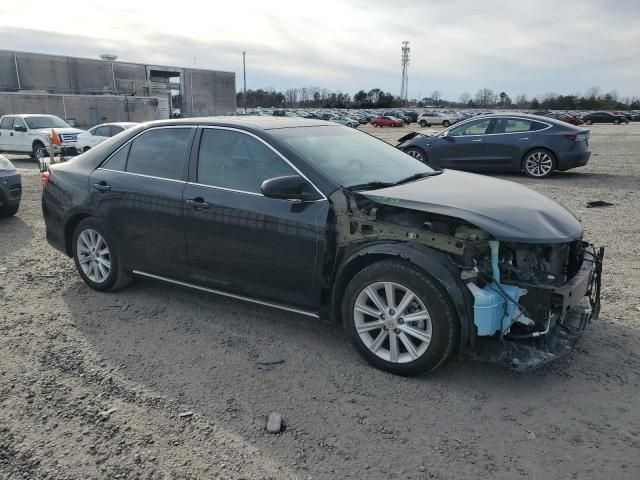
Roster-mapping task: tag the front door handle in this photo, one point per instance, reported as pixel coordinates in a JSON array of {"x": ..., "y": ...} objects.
[
  {"x": 477, "y": 140},
  {"x": 198, "y": 203},
  {"x": 102, "y": 187}
]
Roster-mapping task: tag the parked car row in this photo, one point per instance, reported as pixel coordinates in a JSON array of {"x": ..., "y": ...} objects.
[{"x": 31, "y": 134}]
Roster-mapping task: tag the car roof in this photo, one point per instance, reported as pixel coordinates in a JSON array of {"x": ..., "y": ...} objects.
[
  {"x": 251, "y": 121},
  {"x": 120, "y": 124},
  {"x": 525, "y": 116}
]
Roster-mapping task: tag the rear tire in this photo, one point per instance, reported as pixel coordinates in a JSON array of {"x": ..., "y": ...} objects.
[
  {"x": 446, "y": 123},
  {"x": 589, "y": 122},
  {"x": 539, "y": 163},
  {"x": 404, "y": 337},
  {"x": 97, "y": 258},
  {"x": 86, "y": 149},
  {"x": 423, "y": 124}
]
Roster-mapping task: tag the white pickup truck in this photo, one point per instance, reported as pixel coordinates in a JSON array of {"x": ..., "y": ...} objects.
[{"x": 29, "y": 134}]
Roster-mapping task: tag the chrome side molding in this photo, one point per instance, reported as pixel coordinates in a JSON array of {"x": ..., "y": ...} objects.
[{"x": 226, "y": 294}]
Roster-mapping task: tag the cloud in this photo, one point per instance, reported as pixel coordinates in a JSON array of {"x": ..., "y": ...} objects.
[{"x": 459, "y": 45}]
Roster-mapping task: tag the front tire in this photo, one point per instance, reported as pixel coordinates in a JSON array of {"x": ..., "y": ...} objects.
[
  {"x": 589, "y": 122},
  {"x": 97, "y": 258},
  {"x": 417, "y": 153},
  {"x": 39, "y": 151},
  {"x": 539, "y": 163},
  {"x": 423, "y": 123},
  {"x": 399, "y": 319},
  {"x": 446, "y": 123}
]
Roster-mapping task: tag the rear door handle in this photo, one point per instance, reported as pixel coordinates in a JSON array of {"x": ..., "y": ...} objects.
[
  {"x": 477, "y": 140},
  {"x": 102, "y": 187},
  {"x": 524, "y": 138},
  {"x": 198, "y": 203}
]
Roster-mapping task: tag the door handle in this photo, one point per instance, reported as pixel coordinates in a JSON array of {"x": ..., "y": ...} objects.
[
  {"x": 198, "y": 203},
  {"x": 524, "y": 138},
  {"x": 102, "y": 187},
  {"x": 477, "y": 140}
]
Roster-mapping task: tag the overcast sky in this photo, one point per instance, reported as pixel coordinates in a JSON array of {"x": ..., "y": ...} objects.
[{"x": 531, "y": 47}]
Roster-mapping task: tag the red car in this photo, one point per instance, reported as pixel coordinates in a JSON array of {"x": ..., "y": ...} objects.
[
  {"x": 565, "y": 117},
  {"x": 386, "y": 122}
]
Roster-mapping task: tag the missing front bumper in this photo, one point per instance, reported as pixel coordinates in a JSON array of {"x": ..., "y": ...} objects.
[{"x": 580, "y": 301}]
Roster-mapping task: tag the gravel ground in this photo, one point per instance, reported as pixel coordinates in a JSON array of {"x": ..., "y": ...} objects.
[{"x": 156, "y": 382}]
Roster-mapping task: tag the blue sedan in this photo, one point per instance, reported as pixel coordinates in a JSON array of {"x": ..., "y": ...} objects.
[{"x": 531, "y": 144}]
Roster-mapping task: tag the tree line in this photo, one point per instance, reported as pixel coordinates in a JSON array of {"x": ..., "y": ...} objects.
[{"x": 316, "y": 97}]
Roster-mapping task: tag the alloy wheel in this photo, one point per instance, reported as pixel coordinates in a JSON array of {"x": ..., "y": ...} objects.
[
  {"x": 41, "y": 152},
  {"x": 416, "y": 154},
  {"x": 93, "y": 256},
  {"x": 392, "y": 322},
  {"x": 539, "y": 164}
]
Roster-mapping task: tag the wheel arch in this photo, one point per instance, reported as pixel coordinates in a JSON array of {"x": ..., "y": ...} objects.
[
  {"x": 431, "y": 261},
  {"x": 69, "y": 228}
]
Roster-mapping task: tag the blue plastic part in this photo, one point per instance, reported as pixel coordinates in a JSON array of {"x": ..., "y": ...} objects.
[
  {"x": 491, "y": 311},
  {"x": 495, "y": 306}
]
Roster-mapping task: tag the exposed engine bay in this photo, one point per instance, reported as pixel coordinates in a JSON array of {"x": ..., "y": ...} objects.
[{"x": 535, "y": 299}]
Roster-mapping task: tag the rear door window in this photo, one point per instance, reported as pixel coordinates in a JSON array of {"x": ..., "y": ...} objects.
[
  {"x": 160, "y": 153},
  {"x": 118, "y": 161},
  {"x": 511, "y": 125}
]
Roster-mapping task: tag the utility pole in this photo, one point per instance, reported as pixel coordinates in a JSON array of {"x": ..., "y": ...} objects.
[
  {"x": 244, "y": 75},
  {"x": 404, "y": 87}
]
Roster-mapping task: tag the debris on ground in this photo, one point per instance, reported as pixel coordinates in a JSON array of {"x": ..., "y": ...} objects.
[
  {"x": 599, "y": 203},
  {"x": 268, "y": 365},
  {"x": 274, "y": 424}
]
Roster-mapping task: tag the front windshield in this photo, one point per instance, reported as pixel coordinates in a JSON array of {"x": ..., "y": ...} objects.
[
  {"x": 349, "y": 157},
  {"x": 45, "y": 121}
]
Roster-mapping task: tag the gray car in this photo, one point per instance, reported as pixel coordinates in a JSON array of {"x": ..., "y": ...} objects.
[
  {"x": 10, "y": 188},
  {"x": 503, "y": 142}
]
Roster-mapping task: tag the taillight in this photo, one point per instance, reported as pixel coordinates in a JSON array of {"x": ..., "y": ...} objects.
[
  {"x": 573, "y": 138},
  {"x": 580, "y": 137},
  {"x": 45, "y": 177}
]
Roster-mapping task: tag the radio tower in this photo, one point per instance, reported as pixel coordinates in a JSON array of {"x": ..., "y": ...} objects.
[{"x": 404, "y": 88}]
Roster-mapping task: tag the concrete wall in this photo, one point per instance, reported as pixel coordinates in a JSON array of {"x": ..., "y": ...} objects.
[
  {"x": 205, "y": 92},
  {"x": 108, "y": 108},
  {"x": 208, "y": 93}
]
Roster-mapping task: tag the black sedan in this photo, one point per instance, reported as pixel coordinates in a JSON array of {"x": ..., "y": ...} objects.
[
  {"x": 325, "y": 221},
  {"x": 516, "y": 142},
  {"x": 10, "y": 188},
  {"x": 604, "y": 117}
]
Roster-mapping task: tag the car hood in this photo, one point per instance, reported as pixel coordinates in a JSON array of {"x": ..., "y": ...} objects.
[
  {"x": 507, "y": 210},
  {"x": 59, "y": 130}
]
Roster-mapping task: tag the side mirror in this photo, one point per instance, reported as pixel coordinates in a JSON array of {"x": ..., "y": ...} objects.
[
  {"x": 20, "y": 128},
  {"x": 291, "y": 187},
  {"x": 447, "y": 136}
]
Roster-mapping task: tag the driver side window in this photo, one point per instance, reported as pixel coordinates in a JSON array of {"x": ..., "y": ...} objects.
[
  {"x": 479, "y": 127},
  {"x": 18, "y": 122},
  {"x": 234, "y": 160}
]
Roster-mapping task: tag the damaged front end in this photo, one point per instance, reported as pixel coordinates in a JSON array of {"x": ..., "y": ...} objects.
[
  {"x": 536, "y": 300},
  {"x": 530, "y": 302}
]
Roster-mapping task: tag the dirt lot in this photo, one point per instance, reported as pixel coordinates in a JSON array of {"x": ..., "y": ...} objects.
[{"x": 158, "y": 382}]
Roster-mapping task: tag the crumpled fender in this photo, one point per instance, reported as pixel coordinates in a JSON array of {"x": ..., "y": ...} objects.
[{"x": 435, "y": 263}]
